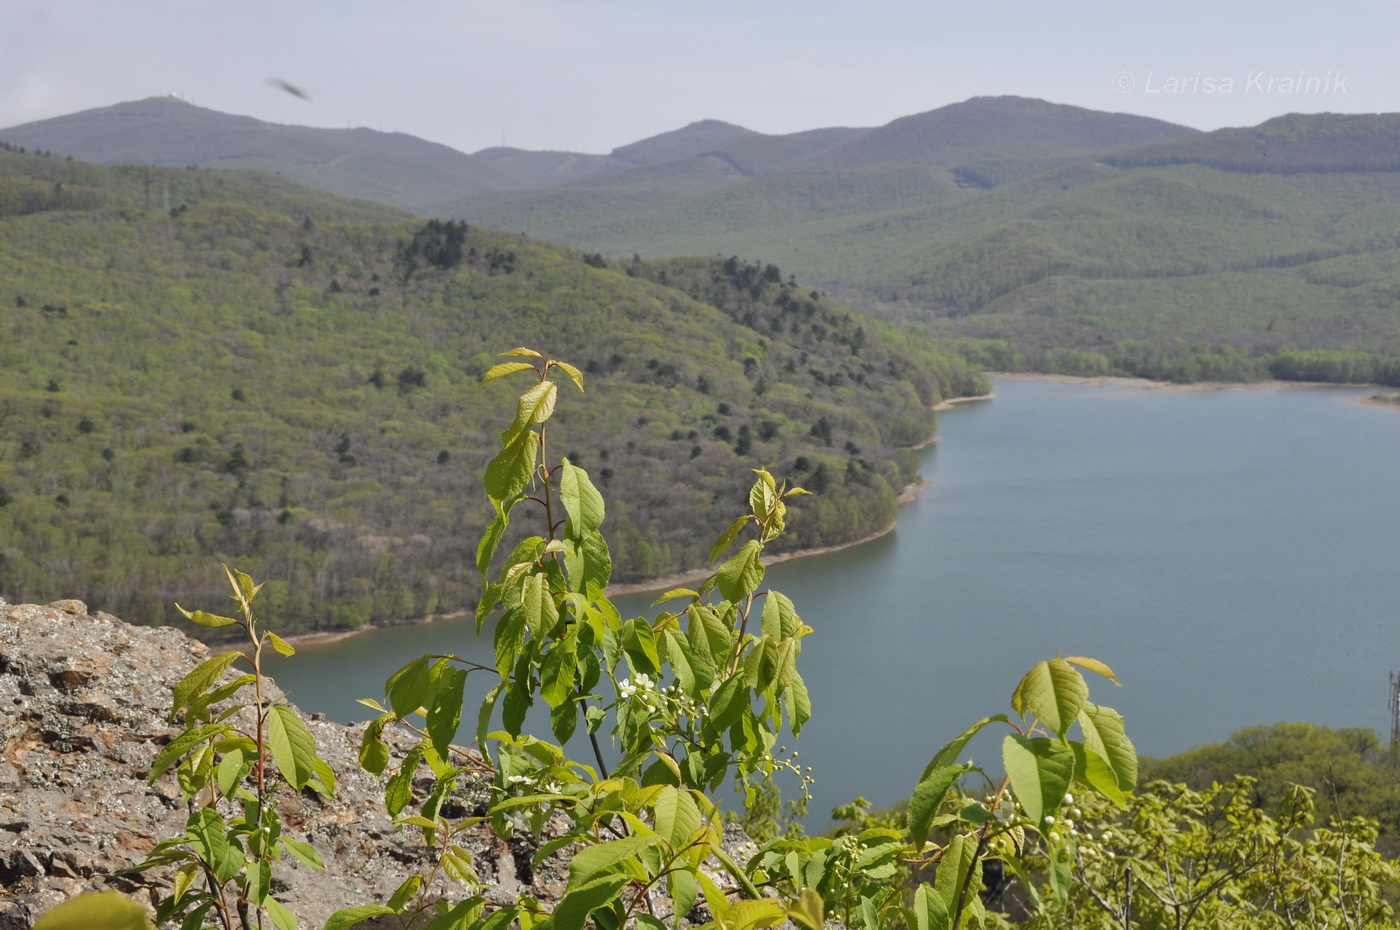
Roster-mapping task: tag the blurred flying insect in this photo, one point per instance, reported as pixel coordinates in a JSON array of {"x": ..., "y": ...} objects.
[{"x": 290, "y": 88}]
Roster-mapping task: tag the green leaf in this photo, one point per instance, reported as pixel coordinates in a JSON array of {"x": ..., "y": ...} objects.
[
  {"x": 206, "y": 619},
  {"x": 231, "y": 770},
  {"x": 411, "y": 688},
  {"x": 501, "y": 919},
  {"x": 293, "y": 748},
  {"x": 535, "y": 406},
  {"x": 574, "y": 374},
  {"x": 305, "y": 852},
  {"x": 582, "y": 501},
  {"x": 742, "y": 574},
  {"x": 205, "y": 829},
  {"x": 1040, "y": 771},
  {"x": 808, "y": 909},
  {"x": 958, "y": 866},
  {"x": 730, "y": 700},
  {"x": 374, "y": 752},
  {"x": 763, "y": 495},
  {"x": 445, "y": 714},
  {"x": 259, "y": 877},
  {"x": 780, "y": 618},
  {"x": 1093, "y": 770},
  {"x": 754, "y": 915},
  {"x": 1061, "y": 869},
  {"x": 930, "y": 910},
  {"x": 199, "y": 680},
  {"x": 523, "y": 352},
  {"x": 592, "y": 861},
  {"x": 799, "y": 703},
  {"x": 281, "y": 645},
  {"x": 541, "y": 613},
  {"x": 105, "y": 910},
  {"x": 242, "y": 583},
  {"x": 925, "y": 801},
  {"x": 677, "y": 652},
  {"x": 563, "y": 721},
  {"x": 483, "y": 717},
  {"x": 684, "y": 891},
  {"x": 398, "y": 791},
  {"x": 639, "y": 642},
  {"x": 702, "y": 653},
  {"x": 572, "y": 912},
  {"x": 1052, "y": 691},
  {"x": 404, "y": 892},
  {"x": 457, "y": 863},
  {"x": 349, "y": 916},
  {"x": 504, "y": 368},
  {"x": 182, "y": 744},
  {"x": 1094, "y": 665},
  {"x": 519, "y": 700},
  {"x": 726, "y": 539},
  {"x": 1104, "y": 735},
  {"x": 675, "y": 593},
  {"x": 510, "y": 633},
  {"x": 677, "y": 816},
  {"x": 199, "y": 707},
  {"x": 511, "y": 470},
  {"x": 324, "y": 782},
  {"x": 949, "y": 753},
  {"x": 486, "y": 548}
]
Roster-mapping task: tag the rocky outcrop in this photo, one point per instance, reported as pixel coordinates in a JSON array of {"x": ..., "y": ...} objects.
[{"x": 83, "y": 704}]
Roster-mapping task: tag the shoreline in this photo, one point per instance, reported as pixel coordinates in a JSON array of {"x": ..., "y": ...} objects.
[
  {"x": 660, "y": 585},
  {"x": 681, "y": 579},
  {"x": 908, "y": 495},
  {"x": 1150, "y": 384}
]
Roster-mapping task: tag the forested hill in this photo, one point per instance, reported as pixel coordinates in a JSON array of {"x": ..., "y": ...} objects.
[
  {"x": 1298, "y": 142},
  {"x": 275, "y": 378}
]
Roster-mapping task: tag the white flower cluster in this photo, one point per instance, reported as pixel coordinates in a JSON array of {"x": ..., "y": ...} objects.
[{"x": 628, "y": 687}]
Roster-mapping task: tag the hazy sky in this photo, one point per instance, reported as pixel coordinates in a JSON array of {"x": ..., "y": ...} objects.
[{"x": 591, "y": 75}]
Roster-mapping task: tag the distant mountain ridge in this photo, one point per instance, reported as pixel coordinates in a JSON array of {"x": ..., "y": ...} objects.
[
  {"x": 1054, "y": 237},
  {"x": 411, "y": 173}
]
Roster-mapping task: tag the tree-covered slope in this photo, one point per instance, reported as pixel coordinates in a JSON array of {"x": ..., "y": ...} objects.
[
  {"x": 296, "y": 393},
  {"x": 1044, "y": 237},
  {"x": 1349, "y": 770}
]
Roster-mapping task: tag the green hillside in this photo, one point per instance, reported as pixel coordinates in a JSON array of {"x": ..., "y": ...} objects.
[
  {"x": 285, "y": 381},
  {"x": 1240, "y": 254},
  {"x": 1040, "y": 237}
]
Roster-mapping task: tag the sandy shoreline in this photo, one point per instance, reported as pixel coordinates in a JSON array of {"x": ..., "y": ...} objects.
[
  {"x": 667, "y": 582},
  {"x": 1377, "y": 400},
  {"x": 1149, "y": 384},
  {"x": 659, "y": 585}
]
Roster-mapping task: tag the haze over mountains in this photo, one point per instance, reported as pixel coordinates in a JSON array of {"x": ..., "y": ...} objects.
[
  {"x": 1054, "y": 237},
  {"x": 429, "y": 178}
]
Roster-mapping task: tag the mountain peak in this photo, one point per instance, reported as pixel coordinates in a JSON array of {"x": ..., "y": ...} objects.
[{"x": 694, "y": 139}]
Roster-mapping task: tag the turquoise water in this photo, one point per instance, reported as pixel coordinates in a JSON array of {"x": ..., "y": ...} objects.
[{"x": 1233, "y": 555}]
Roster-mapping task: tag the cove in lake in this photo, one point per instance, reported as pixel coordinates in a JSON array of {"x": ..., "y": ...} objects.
[{"x": 1232, "y": 554}]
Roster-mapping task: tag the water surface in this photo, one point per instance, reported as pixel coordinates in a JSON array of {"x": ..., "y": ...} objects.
[{"x": 1232, "y": 554}]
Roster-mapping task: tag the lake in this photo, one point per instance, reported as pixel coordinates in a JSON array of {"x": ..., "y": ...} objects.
[{"x": 1233, "y": 554}]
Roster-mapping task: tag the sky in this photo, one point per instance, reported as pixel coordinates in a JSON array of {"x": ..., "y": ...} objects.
[{"x": 592, "y": 75}]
